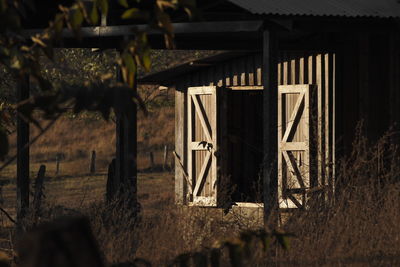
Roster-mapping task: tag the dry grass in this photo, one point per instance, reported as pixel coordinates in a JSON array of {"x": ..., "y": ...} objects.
[
  {"x": 75, "y": 138},
  {"x": 360, "y": 228}
]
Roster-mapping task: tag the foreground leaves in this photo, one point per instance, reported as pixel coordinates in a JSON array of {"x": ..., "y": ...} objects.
[
  {"x": 20, "y": 55},
  {"x": 240, "y": 250}
]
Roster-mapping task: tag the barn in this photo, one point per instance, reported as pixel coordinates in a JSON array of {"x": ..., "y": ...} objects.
[{"x": 265, "y": 121}]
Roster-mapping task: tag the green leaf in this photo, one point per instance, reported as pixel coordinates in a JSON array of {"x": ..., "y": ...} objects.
[
  {"x": 123, "y": 3},
  {"x": 129, "y": 62},
  {"x": 76, "y": 19},
  {"x": 132, "y": 13},
  {"x": 94, "y": 15},
  {"x": 129, "y": 69},
  {"x": 146, "y": 59},
  {"x": 4, "y": 145},
  {"x": 58, "y": 23}
]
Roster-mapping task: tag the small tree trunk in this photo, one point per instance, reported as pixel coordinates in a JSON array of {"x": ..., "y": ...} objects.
[{"x": 93, "y": 163}]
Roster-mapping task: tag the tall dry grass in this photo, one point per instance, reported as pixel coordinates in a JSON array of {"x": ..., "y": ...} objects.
[{"x": 359, "y": 228}]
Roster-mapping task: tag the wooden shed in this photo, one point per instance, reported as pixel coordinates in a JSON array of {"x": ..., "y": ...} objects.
[
  {"x": 219, "y": 126},
  {"x": 265, "y": 125}
]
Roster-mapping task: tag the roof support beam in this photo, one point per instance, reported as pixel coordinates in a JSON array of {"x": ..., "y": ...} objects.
[
  {"x": 179, "y": 28},
  {"x": 270, "y": 110},
  {"x": 126, "y": 152}
]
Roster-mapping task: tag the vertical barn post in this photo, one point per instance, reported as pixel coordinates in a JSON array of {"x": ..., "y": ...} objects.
[
  {"x": 22, "y": 154},
  {"x": 180, "y": 144},
  {"x": 270, "y": 102}
]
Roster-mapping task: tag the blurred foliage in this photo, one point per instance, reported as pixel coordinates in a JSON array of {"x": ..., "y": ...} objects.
[
  {"x": 240, "y": 250},
  {"x": 22, "y": 55}
]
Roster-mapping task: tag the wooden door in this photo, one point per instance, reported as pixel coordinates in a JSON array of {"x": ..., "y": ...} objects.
[
  {"x": 295, "y": 144},
  {"x": 202, "y": 145}
]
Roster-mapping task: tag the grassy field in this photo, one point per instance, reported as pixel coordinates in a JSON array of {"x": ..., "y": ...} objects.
[{"x": 360, "y": 228}]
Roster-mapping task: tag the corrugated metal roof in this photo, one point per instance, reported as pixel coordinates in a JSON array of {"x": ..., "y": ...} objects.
[{"x": 346, "y": 8}]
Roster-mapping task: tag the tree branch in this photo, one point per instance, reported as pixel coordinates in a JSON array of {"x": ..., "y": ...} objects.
[
  {"x": 8, "y": 215},
  {"x": 8, "y": 162}
]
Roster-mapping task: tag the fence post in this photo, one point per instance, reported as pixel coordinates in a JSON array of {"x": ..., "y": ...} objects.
[
  {"x": 58, "y": 158},
  {"x": 111, "y": 182},
  {"x": 165, "y": 157},
  {"x": 151, "y": 156},
  {"x": 38, "y": 191},
  {"x": 93, "y": 162}
]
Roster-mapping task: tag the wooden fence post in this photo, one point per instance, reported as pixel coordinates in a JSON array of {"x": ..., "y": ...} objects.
[
  {"x": 112, "y": 186},
  {"x": 92, "y": 169},
  {"x": 151, "y": 157},
  {"x": 38, "y": 191},
  {"x": 58, "y": 159},
  {"x": 165, "y": 157}
]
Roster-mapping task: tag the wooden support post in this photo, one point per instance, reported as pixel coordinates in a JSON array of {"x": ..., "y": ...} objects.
[
  {"x": 126, "y": 150},
  {"x": 92, "y": 168},
  {"x": 364, "y": 82},
  {"x": 180, "y": 144},
  {"x": 270, "y": 82},
  {"x": 22, "y": 154}
]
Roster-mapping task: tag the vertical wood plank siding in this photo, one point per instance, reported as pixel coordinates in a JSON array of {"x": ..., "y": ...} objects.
[
  {"x": 318, "y": 69},
  {"x": 242, "y": 71},
  {"x": 294, "y": 67}
]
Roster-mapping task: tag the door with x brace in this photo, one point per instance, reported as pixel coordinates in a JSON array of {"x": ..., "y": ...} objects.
[
  {"x": 202, "y": 145},
  {"x": 295, "y": 144}
]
